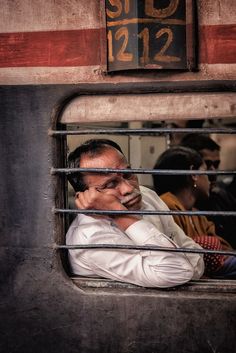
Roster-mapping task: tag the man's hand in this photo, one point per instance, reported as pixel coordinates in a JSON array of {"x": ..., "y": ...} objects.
[
  {"x": 98, "y": 200},
  {"x": 94, "y": 199}
]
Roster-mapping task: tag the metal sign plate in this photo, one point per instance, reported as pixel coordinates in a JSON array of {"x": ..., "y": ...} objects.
[{"x": 149, "y": 34}]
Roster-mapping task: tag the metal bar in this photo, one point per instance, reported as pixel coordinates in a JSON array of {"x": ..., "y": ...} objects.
[
  {"x": 141, "y": 171},
  {"x": 218, "y": 86},
  {"x": 145, "y": 247},
  {"x": 145, "y": 212},
  {"x": 142, "y": 131}
]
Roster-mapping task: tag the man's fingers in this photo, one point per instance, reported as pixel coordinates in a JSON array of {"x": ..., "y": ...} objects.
[
  {"x": 79, "y": 200},
  {"x": 86, "y": 199},
  {"x": 93, "y": 199}
]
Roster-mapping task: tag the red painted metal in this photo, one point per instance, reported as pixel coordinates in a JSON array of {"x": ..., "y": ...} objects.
[
  {"x": 217, "y": 44},
  {"x": 53, "y": 48},
  {"x": 84, "y": 47}
]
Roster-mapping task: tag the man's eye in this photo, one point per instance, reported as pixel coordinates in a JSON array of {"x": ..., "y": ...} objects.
[
  {"x": 111, "y": 185},
  {"x": 128, "y": 176}
]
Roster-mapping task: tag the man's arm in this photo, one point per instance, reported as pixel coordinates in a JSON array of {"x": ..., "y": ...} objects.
[
  {"x": 178, "y": 235},
  {"x": 144, "y": 268}
]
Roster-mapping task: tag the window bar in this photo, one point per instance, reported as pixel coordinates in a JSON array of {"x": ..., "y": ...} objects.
[
  {"x": 141, "y": 171},
  {"x": 146, "y": 247},
  {"x": 142, "y": 131},
  {"x": 145, "y": 212}
]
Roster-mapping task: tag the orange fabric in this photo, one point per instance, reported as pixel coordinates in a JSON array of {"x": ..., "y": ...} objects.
[
  {"x": 201, "y": 231},
  {"x": 193, "y": 226}
]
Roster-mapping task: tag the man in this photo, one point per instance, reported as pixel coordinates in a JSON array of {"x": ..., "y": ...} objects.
[
  {"x": 220, "y": 199},
  {"x": 121, "y": 191}
]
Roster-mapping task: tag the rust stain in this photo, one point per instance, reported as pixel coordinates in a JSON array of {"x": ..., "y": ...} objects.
[{"x": 233, "y": 108}]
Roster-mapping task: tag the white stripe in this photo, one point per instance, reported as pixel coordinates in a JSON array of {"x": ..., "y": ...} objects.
[
  {"x": 49, "y": 75},
  {"x": 217, "y": 71},
  {"x": 151, "y": 106},
  {"x": 46, "y": 15},
  {"x": 94, "y": 74},
  {"x": 216, "y": 12}
]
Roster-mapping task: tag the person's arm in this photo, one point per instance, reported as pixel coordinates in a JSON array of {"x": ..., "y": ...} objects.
[
  {"x": 144, "y": 268},
  {"x": 185, "y": 241},
  {"x": 183, "y": 231}
]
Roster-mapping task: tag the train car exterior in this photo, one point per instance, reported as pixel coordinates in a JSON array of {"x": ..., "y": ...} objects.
[{"x": 53, "y": 67}]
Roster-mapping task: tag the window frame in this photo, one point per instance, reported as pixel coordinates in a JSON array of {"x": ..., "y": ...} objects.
[{"x": 60, "y": 149}]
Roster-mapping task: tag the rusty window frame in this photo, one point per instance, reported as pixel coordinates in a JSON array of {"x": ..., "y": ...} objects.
[{"x": 88, "y": 283}]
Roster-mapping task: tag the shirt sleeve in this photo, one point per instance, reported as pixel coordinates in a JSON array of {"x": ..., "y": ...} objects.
[
  {"x": 195, "y": 259},
  {"x": 143, "y": 268},
  {"x": 180, "y": 237},
  {"x": 140, "y": 235}
]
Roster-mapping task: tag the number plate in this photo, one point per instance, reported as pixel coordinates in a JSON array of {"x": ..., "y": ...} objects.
[{"x": 149, "y": 34}]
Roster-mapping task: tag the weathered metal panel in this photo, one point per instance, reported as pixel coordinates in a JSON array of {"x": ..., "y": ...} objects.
[
  {"x": 48, "y": 15},
  {"x": 51, "y": 48},
  {"x": 161, "y": 106},
  {"x": 216, "y": 12},
  {"x": 41, "y": 309},
  {"x": 217, "y": 44},
  {"x": 50, "y": 42}
]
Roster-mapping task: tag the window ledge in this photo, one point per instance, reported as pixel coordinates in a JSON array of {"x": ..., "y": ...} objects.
[{"x": 203, "y": 285}]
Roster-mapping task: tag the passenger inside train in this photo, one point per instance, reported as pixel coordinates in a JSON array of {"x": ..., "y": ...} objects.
[
  {"x": 121, "y": 192},
  {"x": 220, "y": 198},
  {"x": 180, "y": 193}
]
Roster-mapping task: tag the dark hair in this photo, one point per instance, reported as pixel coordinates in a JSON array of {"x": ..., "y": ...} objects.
[
  {"x": 199, "y": 142},
  {"x": 177, "y": 157},
  {"x": 93, "y": 148}
]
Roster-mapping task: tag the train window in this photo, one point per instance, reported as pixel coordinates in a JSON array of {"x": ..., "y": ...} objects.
[{"x": 142, "y": 142}]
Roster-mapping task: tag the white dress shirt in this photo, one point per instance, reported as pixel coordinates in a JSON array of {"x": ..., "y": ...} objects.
[{"x": 144, "y": 268}]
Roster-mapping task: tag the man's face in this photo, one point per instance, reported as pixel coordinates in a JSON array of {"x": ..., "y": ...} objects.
[
  {"x": 123, "y": 186},
  {"x": 212, "y": 160}
]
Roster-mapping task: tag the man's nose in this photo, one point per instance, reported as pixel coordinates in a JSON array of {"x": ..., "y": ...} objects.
[
  {"x": 212, "y": 167},
  {"x": 125, "y": 187},
  {"x": 212, "y": 177}
]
